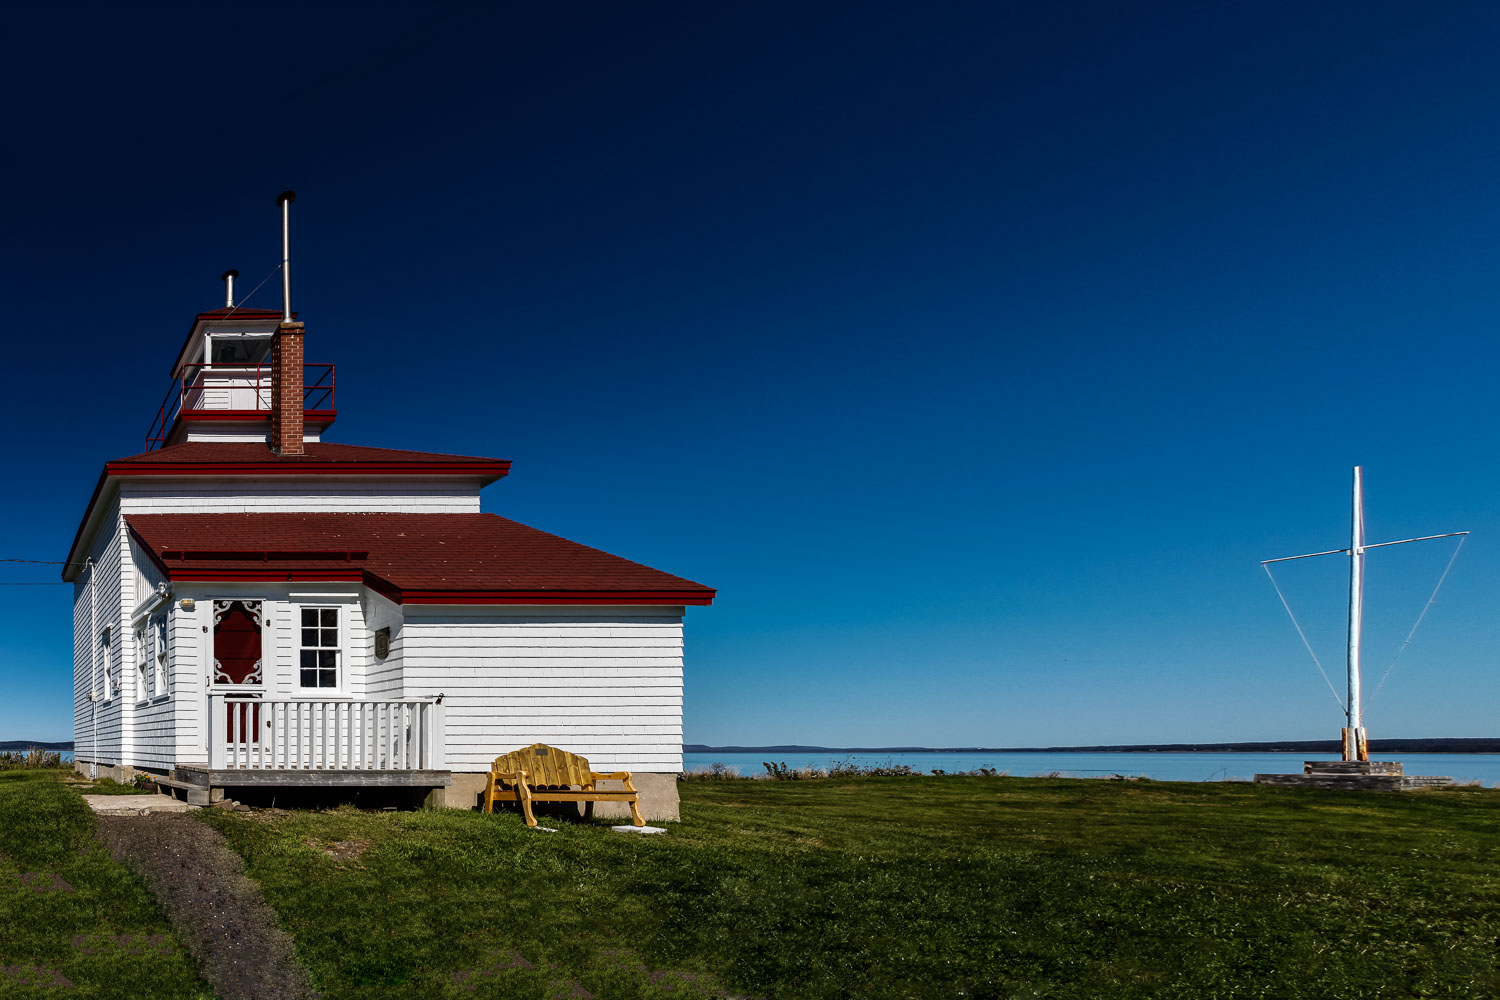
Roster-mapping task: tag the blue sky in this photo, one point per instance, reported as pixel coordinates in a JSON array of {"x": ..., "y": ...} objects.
[{"x": 977, "y": 353}]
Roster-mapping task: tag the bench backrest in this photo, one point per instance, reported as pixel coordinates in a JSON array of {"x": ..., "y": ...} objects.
[{"x": 546, "y": 765}]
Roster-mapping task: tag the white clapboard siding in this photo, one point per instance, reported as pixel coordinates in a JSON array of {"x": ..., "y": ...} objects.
[
  {"x": 143, "y": 576},
  {"x": 98, "y": 724},
  {"x": 382, "y": 678},
  {"x": 281, "y": 606},
  {"x": 154, "y": 720},
  {"x": 602, "y": 682},
  {"x": 192, "y": 495},
  {"x": 154, "y": 735},
  {"x": 185, "y": 683}
]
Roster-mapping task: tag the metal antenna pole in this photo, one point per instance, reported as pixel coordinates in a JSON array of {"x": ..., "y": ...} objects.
[
  {"x": 284, "y": 200},
  {"x": 1355, "y": 745}
]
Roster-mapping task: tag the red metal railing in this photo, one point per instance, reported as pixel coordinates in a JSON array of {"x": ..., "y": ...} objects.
[{"x": 230, "y": 387}]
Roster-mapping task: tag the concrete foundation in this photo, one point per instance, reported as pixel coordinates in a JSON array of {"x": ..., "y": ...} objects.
[
  {"x": 658, "y": 792},
  {"x": 119, "y": 772},
  {"x": 658, "y": 797},
  {"x": 1367, "y": 775}
]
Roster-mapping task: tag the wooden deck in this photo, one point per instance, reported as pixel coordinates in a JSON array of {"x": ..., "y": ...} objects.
[
  {"x": 200, "y": 784},
  {"x": 232, "y": 777}
]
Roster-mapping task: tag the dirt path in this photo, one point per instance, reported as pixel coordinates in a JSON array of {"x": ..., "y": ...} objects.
[{"x": 216, "y": 910}]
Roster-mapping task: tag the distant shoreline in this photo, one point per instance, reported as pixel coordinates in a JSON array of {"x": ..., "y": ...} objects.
[{"x": 1437, "y": 745}]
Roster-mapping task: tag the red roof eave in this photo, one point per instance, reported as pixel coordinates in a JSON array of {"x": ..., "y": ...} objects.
[
  {"x": 672, "y": 597},
  {"x": 72, "y": 561},
  {"x": 189, "y": 575},
  {"x": 409, "y": 558},
  {"x": 386, "y": 589},
  {"x": 496, "y": 469}
]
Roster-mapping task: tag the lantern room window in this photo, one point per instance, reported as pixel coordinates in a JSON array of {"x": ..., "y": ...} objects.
[
  {"x": 239, "y": 349},
  {"x": 320, "y": 648}
]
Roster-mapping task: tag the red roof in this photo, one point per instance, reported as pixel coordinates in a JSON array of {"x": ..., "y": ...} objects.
[
  {"x": 253, "y": 457},
  {"x": 410, "y": 558},
  {"x": 228, "y": 458}
]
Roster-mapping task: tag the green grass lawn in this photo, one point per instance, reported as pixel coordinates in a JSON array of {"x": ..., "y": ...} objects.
[
  {"x": 916, "y": 887},
  {"x": 73, "y": 923}
]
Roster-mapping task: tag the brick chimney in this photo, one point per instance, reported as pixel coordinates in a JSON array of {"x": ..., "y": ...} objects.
[{"x": 286, "y": 390}]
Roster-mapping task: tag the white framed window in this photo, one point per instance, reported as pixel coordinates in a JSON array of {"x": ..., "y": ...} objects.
[
  {"x": 159, "y": 655},
  {"x": 320, "y": 649},
  {"x": 142, "y": 662},
  {"x": 107, "y": 689}
]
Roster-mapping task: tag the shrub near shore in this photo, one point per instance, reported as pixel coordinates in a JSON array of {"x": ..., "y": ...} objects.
[
  {"x": 780, "y": 771},
  {"x": 11, "y": 760}
]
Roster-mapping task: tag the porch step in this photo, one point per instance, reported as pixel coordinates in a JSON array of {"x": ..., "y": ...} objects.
[
  {"x": 193, "y": 794},
  {"x": 185, "y": 774}
]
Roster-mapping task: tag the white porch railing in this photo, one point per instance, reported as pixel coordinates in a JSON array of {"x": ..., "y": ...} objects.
[{"x": 262, "y": 734}]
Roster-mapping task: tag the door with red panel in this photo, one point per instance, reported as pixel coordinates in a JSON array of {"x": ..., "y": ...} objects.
[{"x": 238, "y": 664}]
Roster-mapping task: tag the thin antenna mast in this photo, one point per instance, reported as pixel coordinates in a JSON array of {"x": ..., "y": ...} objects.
[
  {"x": 1355, "y": 742},
  {"x": 1355, "y": 746},
  {"x": 285, "y": 199}
]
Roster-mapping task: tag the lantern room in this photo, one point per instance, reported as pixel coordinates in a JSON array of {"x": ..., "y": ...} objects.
[{"x": 222, "y": 380}]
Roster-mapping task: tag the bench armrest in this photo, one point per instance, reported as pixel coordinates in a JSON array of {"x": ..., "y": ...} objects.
[{"x": 611, "y": 776}]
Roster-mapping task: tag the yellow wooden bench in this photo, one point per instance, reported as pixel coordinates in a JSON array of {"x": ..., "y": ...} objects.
[{"x": 540, "y": 773}]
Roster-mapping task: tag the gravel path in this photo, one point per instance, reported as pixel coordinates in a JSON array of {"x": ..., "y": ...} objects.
[{"x": 216, "y": 910}]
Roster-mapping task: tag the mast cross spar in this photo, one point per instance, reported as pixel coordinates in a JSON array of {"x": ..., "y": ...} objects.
[{"x": 1356, "y": 745}]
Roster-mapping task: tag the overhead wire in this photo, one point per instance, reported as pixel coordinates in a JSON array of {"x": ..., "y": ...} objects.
[
  {"x": 41, "y": 562},
  {"x": 1432, "y": 598},
  {"x": 1298, "y": 626},
  {"x": 63, "y": 562},
  {"x": 236, "y": 308}
]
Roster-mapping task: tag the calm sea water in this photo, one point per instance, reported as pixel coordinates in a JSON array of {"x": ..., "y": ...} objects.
[
  {"x": 1160, "y": 766},
  {"x": 1481, "y": 767}
]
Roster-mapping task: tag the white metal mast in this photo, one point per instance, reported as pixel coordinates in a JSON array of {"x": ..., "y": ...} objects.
[{"x": 1356, "y": 745}]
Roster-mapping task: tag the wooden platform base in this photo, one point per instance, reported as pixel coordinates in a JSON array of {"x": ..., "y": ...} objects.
[
  {"x": 199, "y": 784},
  {"x": 1367, "y": 775},
  {"x": 253, "y": 778}
]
